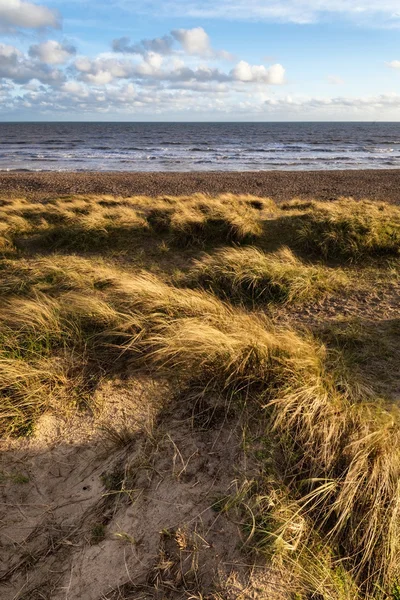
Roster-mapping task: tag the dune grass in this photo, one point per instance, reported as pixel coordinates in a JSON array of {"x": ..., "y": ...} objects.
[
  {"x": 330, "y": 444},
  {"x": 250, "y": 275},
  {"x": 90, "y": 223},
  {"x": 342, "y": 456},
  {"x": 350, "y": 230},
  {"x": 206, "y": 221},
  {"x": 341, "y": 230}
]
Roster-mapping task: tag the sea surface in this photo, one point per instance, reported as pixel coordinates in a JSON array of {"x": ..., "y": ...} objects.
[{"x": 198, "y": 146}]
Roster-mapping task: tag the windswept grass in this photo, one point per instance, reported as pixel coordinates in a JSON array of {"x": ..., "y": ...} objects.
[
  {"x": 370, "y": 351},
  {"x": 344, "y": 229},
  {"x": 350, "y": 230},
  {"x": 342, "y": 456},
  {"x": 333, "y": 446},
  {"x": 274, "y": 526},
  {"x": 94, "y": 223},
  {"x": 205, "y": 221},
  {"x": 249, "y": 275},
  {"x": 51, "y": 352}
]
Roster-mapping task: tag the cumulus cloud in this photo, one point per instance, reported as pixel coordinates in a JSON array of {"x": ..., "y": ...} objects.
[
  {"x": 102, "y": 70},
  {"x": 15, "y": 14},
  {"x": 150, "y": 66},
  {"x": 75, "y": 88},
  {"x": 153, "y": 67},
  {"x": 194, "y": 42},
  {"x": 17, "y": 67},
  {"x": 161, "y": 45},
  {"x": 52, "y": 52},
  {"x": 273, "y": 75}
]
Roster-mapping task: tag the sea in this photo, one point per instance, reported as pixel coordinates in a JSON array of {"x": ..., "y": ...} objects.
[{"x": 198, "y": 146}]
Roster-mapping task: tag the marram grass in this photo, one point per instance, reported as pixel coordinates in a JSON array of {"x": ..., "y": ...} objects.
[
  {"x": 250, "y": 275},
  {"x": 66, "y": 321}
]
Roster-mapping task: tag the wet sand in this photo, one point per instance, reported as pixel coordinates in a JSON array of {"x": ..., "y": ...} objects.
[{"x": 280, "y": 185}]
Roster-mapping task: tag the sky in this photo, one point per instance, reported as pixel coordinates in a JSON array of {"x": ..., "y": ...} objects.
[{"x": 200, "y": 60}]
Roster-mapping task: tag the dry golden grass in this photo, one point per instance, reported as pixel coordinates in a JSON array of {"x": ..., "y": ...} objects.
[
  {"x": 350, "y": 230},
  {"x": 345, "y": 229},
  {"x": 247, "y": 274},
  {"x": 94, "y": 223},
  {"x": 67, "y": 321}
]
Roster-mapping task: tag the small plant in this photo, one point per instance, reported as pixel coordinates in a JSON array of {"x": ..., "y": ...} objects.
[
  {"x": 396, "y": 591},
  {"x": 97, "y": 533},
  {"x": 119, "y": 435},
  {"x": 18, "y": 478},
  {"x": 113, "y": 481},
  {"x": 125, "y": 537}
]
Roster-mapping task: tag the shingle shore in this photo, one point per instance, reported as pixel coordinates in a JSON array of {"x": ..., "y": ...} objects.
[{"x": 280, "y": 185}]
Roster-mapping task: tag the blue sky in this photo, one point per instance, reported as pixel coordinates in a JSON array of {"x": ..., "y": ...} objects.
[{"x": 222, "y": 60}]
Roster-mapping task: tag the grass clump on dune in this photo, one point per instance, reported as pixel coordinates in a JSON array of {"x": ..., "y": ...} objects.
[
  {"x": 342, "y": 457},
  {"x": 350, "y": 230},
  {"x": 250, "y": 275},
  {"x": 50, "y": 352},
  {"x": 201, "y": 220}
]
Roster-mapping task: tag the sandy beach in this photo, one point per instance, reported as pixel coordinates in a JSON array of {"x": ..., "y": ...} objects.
[{"x": 279, "y": 185}]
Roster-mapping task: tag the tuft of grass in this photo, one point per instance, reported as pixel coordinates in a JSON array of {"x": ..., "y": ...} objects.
[
  {"x": 369, "y": 350},
  {"x": 342, "y": 455},
  {"x": 46, "y": 344},
  {"x": 207, "y": 220},
  {"x": 350, "y": 230},
  {"x": 250, "y": 275},
  {"x": 274, "y": 527}
]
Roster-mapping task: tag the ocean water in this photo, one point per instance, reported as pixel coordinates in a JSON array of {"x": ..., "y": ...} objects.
[{"x": 198, "y": 146}]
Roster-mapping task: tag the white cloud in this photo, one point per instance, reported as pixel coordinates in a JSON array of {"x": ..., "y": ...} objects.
[
  {"x": 75, "y": 88},
  {"x": 16, "y": 14},
  {"x": 52, "y": 52},
  {"x": 394, "y": 64},
  {"x": 155, "y": 67},
  {"x": 150, "y": 66},
  {"x": 17, "y": 67},
  {"x": 243, "y": 71},
  {"x": 194, "y": 42},
  {"x": 161, "y": 45},
  {"x": 102, "y": 70}
]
